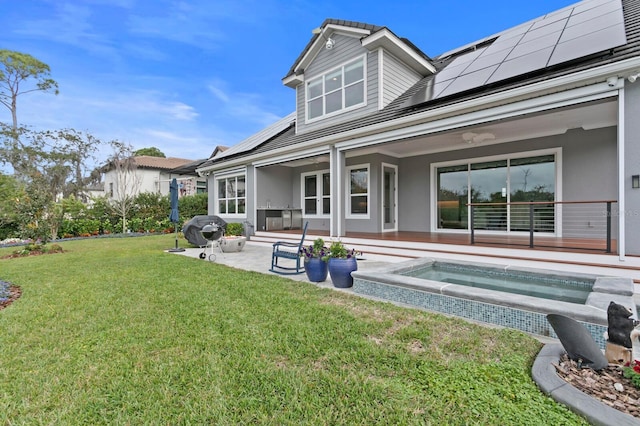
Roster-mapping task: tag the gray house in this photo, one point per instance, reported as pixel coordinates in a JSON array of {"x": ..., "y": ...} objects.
[{"x": 531, "y": 133}]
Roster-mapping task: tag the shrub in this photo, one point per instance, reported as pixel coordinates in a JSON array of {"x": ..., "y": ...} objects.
[{"x": 234, "y": 229}]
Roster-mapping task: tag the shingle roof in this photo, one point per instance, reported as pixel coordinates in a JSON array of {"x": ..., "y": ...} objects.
[{"x": 401, "y": 107}]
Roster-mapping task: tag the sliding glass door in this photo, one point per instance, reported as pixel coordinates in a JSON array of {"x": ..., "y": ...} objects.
[
  {"x": 493, "y": 184},
  {"x": 489, "y": 187},
  {"x": 453, "y": 196}
]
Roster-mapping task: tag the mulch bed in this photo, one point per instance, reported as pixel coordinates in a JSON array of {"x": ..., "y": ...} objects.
[
  {"x": 14, "y": 293},
  {"x": 600, "y": 385}
]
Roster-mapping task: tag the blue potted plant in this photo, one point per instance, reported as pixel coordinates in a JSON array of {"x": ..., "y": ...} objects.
[
  {"x": 315, "y": 265},
  {"x": 341, "y": 262}
]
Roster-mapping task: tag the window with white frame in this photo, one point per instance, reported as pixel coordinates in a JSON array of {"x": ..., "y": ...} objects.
[
  {"x": 231, "y": 195},
  {"x": 339, "y": 89},
  {"x": 316, "y": 193},
  {"x": 201, "y": 187},
  {"x": 358, "y": 191}
]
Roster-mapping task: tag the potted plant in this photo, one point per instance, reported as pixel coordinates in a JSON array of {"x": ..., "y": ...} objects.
[
  {"x": 341, "y": 262},
  {"x": 233, "y": 240},
  {"x": 315, "y": 266}
]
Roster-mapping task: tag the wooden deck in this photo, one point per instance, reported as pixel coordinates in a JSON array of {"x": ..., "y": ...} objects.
[{"x": 547, "y": 243}]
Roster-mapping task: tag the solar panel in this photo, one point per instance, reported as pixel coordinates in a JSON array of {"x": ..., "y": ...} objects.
[
  {"x": 260, "y": 137},
  {"x": 571, "y": 33}
]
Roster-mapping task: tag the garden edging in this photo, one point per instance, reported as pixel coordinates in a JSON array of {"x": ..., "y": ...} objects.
[{"x": 596, "y": 412}]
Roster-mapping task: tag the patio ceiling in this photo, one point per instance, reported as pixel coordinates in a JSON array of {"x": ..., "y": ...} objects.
[{"x": 586, "y": 116}]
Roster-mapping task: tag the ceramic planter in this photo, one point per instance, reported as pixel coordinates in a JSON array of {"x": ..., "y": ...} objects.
[
  {"x": 316, "y": 269},
  {"x": 340, "y": 271},
  {"x": 232, "y": 244}
]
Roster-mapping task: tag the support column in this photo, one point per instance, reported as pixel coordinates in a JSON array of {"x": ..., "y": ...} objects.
[{"x": 337, "y": 164}]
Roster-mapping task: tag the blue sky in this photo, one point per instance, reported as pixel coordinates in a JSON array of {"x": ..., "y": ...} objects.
[{"x": 186, "y": 76}]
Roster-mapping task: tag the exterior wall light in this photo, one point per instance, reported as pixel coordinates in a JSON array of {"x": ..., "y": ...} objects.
[{"x": 635, "y": 181}]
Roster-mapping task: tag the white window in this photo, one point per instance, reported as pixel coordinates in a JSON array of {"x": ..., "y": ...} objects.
[
  {"x": 201, "y": 187},
  {"x": 316, "y": 193},
  {"x": 337, "y": 90},
  {"x": 358, "y": 191},
  {"x": 231, "y": 195}
]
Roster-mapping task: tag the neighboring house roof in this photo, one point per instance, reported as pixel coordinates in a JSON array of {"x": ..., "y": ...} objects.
[
  {"x": 190, "y": 168},
  {"x": 417, "y": 99},
  {"x": 255, "y": 140},
  {"x": 149, "y": 162}
]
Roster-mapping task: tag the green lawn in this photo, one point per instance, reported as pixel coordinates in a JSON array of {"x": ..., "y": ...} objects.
[{"x": 116, "y": 331}]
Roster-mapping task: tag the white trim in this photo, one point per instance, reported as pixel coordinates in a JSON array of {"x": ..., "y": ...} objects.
[
  {"x": 384, "y": 165},
  {"x": 292, "y": 156},
  {"x": 556, "y": 152},
  {"x": 348, "y": 195},
  {"x": 230, "y": 172},
  {"x": 254, "y": 190},
  {"x": 293, "y": 80},
  {"x": 320, "y": 42},
  {"x": 343, "y": 110},
  {"x": 336, "y": 199},
  {"x": 386, "y": 39},
  {"x": 380, "y": 79},
  {"x": 622, "y": 217},
  {"x": 319, "y": 195},
  {"x": 216, "y": 200}
]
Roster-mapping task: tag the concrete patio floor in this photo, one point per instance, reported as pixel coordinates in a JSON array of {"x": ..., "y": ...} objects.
[{"x": 256, "y": 256}]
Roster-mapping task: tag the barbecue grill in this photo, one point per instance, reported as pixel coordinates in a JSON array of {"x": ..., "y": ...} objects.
[{"x": 212, "y": 233}]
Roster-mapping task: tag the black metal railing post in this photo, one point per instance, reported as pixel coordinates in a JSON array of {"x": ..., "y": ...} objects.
[
  {"x": 530, "y": 225},
  {"x": 608, "y": 227}
]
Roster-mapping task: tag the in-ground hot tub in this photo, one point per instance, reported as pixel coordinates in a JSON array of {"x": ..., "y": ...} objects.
[{"x": 527, "y": 295}]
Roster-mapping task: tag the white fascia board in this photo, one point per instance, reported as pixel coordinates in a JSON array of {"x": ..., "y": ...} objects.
[
  {"x": 390, "y": 42},
  {"x": 320, "y": 42},
  {"x": 230, "y": 172},
  {"x": 292, "y": 156}
]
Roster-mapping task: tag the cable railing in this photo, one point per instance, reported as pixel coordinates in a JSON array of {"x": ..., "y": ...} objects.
[{"x": 586, "y": 225}]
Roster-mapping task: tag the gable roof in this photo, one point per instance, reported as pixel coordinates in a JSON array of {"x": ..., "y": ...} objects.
[
  {"x": 371, "y": 36},
  {"x": 414, "y": 101},
  {"x": 317, "y": 37}
]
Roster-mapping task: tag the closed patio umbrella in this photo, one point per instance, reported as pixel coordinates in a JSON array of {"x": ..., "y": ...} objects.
[{"x": 174, "y": 216}]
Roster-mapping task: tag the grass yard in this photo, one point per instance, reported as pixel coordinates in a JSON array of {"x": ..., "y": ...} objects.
[{"x": 116, "y": 331}]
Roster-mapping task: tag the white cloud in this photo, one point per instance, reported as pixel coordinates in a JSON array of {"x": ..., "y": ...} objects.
[
  {"x": 218, "y": 93},
  {"x": 70, "y": 24}
]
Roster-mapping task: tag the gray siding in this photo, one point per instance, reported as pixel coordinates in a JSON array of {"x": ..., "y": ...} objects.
[
  {"x": 273, "y": 186},
  {"x": 589, "y": 171},
  {"x": 374, "y": 223},
  {"x": 397, "y": 78},
  {"x": 346, "y": 49},
  {"x": 632, "y": 167}
]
